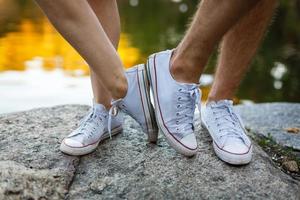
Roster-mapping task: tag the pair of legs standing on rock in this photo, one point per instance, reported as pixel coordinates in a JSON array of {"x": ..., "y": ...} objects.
[{"x": 92, "y": 27}]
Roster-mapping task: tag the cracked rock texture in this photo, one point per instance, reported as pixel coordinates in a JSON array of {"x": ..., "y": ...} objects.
[
  {"x": 273, "y": 120},
  {"x": 126, "y": 167}
]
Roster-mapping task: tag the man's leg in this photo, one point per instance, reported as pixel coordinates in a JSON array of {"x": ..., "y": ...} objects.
[
  {"x": 80, "y": 26},
  {"x": 212, "y": 20},
  {"x": 108, "y": 15},
  {"x": 175, "y": 102},
  {"x": 238, "y": 48},
  {"x": 240, "y": 43}
]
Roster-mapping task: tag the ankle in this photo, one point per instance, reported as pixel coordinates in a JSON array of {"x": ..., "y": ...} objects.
[
  {"x": 120, "y": 88},
  {"x": 183, "y": 70},
  {"x": 219, "y": 92}
]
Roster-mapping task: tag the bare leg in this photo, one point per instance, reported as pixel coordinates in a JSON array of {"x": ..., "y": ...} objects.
[
  {"x": 238, "y": 48},
  {"x": 212, "y": 20},
  {"x": 81, "y": 28},
  {"x": 108, "y": 15}
]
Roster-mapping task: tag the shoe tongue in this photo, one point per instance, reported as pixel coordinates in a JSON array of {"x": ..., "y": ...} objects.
[
  {"x": 99, "y": 108},
  {"x": 224, "y": 102},
  {"x": 189, "y": 86}
]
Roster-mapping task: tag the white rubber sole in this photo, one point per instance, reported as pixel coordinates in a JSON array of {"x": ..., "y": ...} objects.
[
  {"x": 231, "y": 158},
  {"x": 80, "y": 151},
  {"x": 173, "y": 142},
  {"x": 144, "y": 90}
]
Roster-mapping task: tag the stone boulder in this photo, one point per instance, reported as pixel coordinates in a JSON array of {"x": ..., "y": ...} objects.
[
  {"x": 125, "y": 167},
  {"x": 276, "y": 120}
]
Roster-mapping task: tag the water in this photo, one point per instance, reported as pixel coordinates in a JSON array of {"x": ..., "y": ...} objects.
[{"x": 47, "y": 71}]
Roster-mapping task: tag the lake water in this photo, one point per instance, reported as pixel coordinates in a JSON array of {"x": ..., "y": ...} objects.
[{"x": 38, "y": 68}]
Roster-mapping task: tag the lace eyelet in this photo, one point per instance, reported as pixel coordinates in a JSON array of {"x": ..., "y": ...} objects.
[
  {"x": 180, "y": 89},
  {"x": 179, "y": 98},
  {"x": 178, "y": 106},
  {"x": 177, "y": 114}
]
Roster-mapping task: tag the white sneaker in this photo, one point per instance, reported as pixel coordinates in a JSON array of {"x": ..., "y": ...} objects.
[
  {"x": 137, "y": 103},
  {"x": 174, "y": 104},
  {"x": 92, "y": 129},
  {"x": 230, "y": 142}
]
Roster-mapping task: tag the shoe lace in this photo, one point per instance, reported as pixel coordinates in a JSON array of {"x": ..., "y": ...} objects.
[
  {"x": 114, "y": 111},
  {"x": 227, "y": 122},
  {"x": 89, "y": 123},
  {"x": 186, "y": 103}
]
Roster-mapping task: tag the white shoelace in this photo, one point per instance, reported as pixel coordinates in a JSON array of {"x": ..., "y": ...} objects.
[
  {"x": 88, "y": 124},
  {"x": 186, "y": 107},
  {"x": 113, "y": 111},
  {"x": 228, "y": 123}
]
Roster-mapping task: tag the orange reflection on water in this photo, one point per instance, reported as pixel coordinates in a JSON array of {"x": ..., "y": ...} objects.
[{"x": 41, "y": 40}]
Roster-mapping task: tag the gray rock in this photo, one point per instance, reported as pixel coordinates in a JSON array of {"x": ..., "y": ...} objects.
[
  {"x": 272, "y": 119},
  {"x": 31, "y": 165},
  {"x": 126, "y": 167}
]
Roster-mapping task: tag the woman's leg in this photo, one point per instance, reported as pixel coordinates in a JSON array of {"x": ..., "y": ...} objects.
[
  {"x": 108, "y": 15},
  {"x": 80, "y": 26}
]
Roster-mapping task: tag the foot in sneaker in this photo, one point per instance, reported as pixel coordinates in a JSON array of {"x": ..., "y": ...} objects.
[
  {"x": 175, "y": 104},
  {"x": 137, "y": 103},
  {"x": 230, "y": 142},
  {"x": 92, "y": 129}
]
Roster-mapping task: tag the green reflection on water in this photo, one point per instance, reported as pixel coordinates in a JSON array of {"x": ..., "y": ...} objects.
[
  {"x": 159, "y": 24},
  {"x": 156, "y": 25}
]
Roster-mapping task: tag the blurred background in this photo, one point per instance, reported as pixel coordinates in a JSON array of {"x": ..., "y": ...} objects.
[{"x": 38, "y": 68}]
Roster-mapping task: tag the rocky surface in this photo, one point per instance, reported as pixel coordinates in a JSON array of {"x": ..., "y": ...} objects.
[
  {"x": 126, "y": 167},
  {"x": 31, "y": 165},
  {"x": 277, "y": 120}
]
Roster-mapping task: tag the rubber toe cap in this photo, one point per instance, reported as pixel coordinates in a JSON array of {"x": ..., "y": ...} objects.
[
  {"x": 236, "y": 147},
  {"x": 72, "y": 143},
  {"x": 190, "y": 141}
]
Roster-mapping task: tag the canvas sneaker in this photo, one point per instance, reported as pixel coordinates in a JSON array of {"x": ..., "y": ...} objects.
[
  {"x": 92, "y": 129},
  {"x": 137, "y": 103},
  {"x": 230, "y": 142},
  {"x": 175, "y": 104}
]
